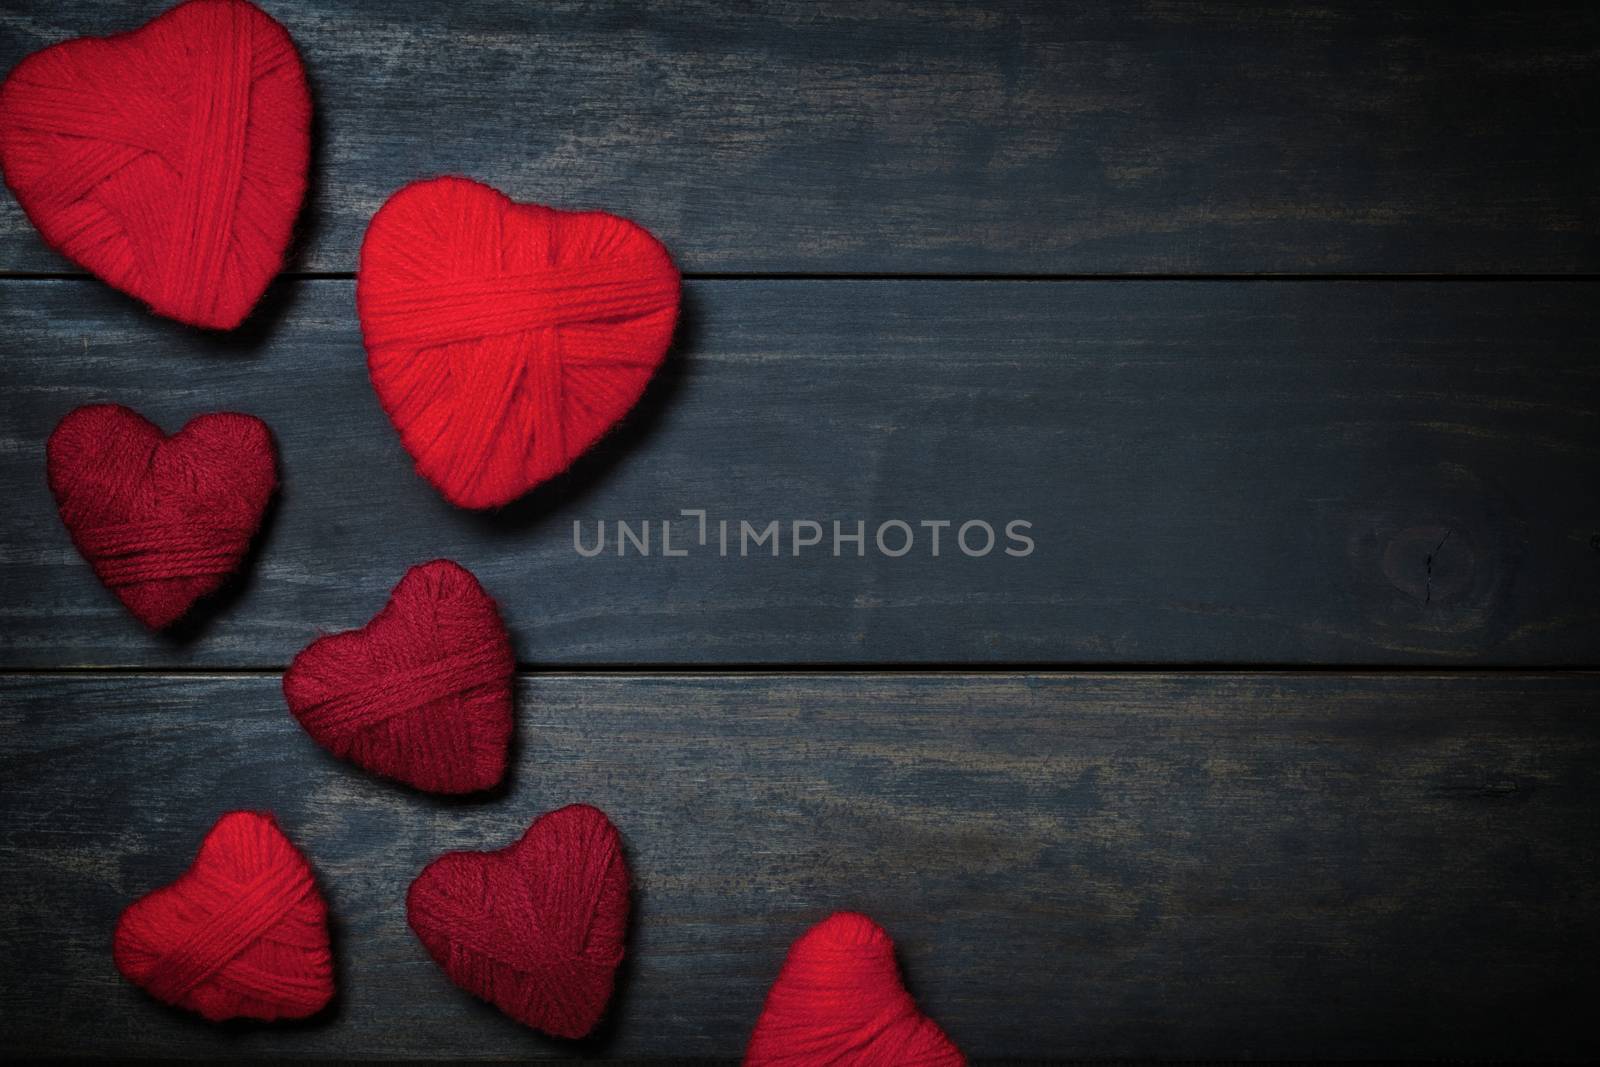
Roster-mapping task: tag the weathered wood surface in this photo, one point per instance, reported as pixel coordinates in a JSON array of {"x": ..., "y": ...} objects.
[
  {"x": 1245, "y": 472},
  {"x": 1188, "y": 865},
  {"x": 999, "y": 137},
  {"x": 1184, "y": 866}
]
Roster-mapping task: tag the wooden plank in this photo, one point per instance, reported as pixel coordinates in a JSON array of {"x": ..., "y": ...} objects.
[
  {"x": 998, "y": 137},
  {"x": 1244, "y": 472},
  {"x": 1179, "y": 866}
]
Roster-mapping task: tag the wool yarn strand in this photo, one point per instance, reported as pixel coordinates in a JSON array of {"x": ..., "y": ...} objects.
[
  {"x": 163, "y": 521},
  {"x": 505, "y": 339},
  {"x": 242, "y": 933},
  {"x": 839, "y": 1000},
  {"x": 170, "y": 161},
  {"x": 422, "y": 693},
  {"x": 535, "y": 928}
]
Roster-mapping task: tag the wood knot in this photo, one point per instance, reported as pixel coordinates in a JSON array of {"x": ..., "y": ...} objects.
[{"x": 1432, "y": 564}]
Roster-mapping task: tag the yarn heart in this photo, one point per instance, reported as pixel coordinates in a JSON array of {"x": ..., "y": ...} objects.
[
  {"x": 170, "y": 161},
  {"x": 839, "y": 1000},
  {"x": 422, "y": 693},
  {"x": 242, "y": 932},
  {"x": 504, "y": 339},
  {"x": 162, "y": 520},
  {"x": 536, "y": 928}
]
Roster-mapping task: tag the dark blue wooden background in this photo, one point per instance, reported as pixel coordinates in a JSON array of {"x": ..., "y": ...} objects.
[{"x": 1277, "y": 322}]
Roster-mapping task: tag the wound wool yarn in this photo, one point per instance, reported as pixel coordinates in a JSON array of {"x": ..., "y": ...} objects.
[
  {"x": 422, "y": 693},
  {"x": 536, "y": 928},
  {"x": 504, "y": 339},
  {"x": 242, "y": 933},
  {"x": 839, "y": 1000},
  {"x": 169, "y": 161},
  {"x": 162, "y": 520}
]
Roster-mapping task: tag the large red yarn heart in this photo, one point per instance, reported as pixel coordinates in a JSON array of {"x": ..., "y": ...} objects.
[
  {"x": 242, "y": 933},
  {"x": 170, "y": 161},
  {"x": 536, "y": 928},
  {"x": 422, "y": 693},
  {"x": 162, "y": 520},
  {"x": 504, "y": 339},
  {"x": 839, "y": 1000}
]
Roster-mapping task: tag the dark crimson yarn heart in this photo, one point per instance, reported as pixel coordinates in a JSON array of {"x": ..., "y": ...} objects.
[
  {"x": 162, "y": 520},
  {"x": 422, "y": 693},
  {"x": 536, "y": 928},
  {"x": 242, "y": 933},
  {"x": 170, "y": 161},
  {"x": 839, "y": 1000},
  {"x": 504, "y": 339}
]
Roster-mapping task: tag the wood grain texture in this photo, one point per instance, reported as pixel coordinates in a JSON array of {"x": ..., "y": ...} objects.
[
  {"x": 1183, "y": 866},
  {"x": 1244, "y": 472},
  {"x": 1018, "y": 137},
  {"x": 1328, "y": 864}
]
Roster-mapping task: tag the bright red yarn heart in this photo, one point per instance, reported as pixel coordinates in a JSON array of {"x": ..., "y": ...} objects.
[
  {"x": 504, "y": 339},
  {"x": 839, "y": 1000},
  {"x": 162, "y": 520},
  {"x": 242, "y": 933},
  {"x": 422, "y": 693},
  {"x": 170, "y": 161},
  {"x": 536, "y": 928}
]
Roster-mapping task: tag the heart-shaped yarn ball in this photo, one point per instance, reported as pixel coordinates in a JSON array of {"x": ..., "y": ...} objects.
[
  {"x": 504, "y": 339},
  {"x": 422, "y": 693},
  {"x": 162, "y": 520},
  {"x": 537, "y": 928},
  {"x": 170, "y": 161},
  {"x": 242, "y": 933},
  {"x": 839, "y": 1000}
]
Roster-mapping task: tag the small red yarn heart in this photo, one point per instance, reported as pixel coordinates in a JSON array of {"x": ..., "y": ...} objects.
[
  {"x": 536, "y": 928},
  {"x": 839, "y": 1000},
  {"x": 171, "y": 160},
  {"x": 504, "y": 339},
  {"x": 242, "y": 933},
  {"x": 422, "y": 693},
  {"x": 162, "y": 520}
]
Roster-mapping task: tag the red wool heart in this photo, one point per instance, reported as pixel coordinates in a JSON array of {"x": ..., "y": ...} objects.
[
  {"x": 422, "y": 693},
  {"x": 504, "y": 339},
  {"x": 839, "y": 1000},
  {"x": 170, "y": 161},
  {"x": 242, "y": 933},
  {"x": 536, "y": 928},
  {"x": 162, "y": 520}
]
